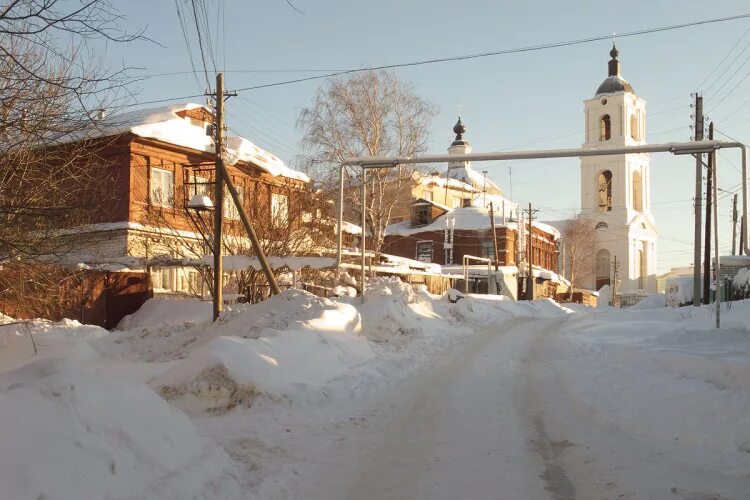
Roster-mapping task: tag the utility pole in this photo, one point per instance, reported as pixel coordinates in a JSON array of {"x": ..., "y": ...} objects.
[
  {"x": 734, "y": 224},
  {"x": 218, "y": 198},
  {"x": 707, "y": 240},
  {"x": 698, "y": 196},
  {"x": 494, "y": 235},
  {"x": 484, "y": 189},
  {"x": 530, "y": 257},
  {"x": 222, "y": 177}
]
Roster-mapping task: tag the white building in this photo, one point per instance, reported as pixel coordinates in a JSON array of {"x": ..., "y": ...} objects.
[{"x": 616, "y": 190}]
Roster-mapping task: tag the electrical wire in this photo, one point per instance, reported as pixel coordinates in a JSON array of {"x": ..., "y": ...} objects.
[{"x": 516, "y": 50}]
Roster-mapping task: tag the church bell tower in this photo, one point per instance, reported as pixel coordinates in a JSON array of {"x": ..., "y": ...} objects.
[{"x": 616, "y": 190}]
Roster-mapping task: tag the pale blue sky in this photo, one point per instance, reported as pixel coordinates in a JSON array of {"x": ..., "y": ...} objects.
[{"x": 522, "y": 101}]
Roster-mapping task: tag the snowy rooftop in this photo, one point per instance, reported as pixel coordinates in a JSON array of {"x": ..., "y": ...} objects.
[
  {"x": 165, "y": 124},
  {"x": 440, "y": 181},
  {"x": 466, "y": 219}
]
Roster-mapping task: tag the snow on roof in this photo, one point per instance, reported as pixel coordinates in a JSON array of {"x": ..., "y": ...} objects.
[
  {"x": 240, "y": 149},
  {"x": 423, "y": 201},
  {"x": 442, "y": 181},
  {"x": 466, "y": 219},
  {"x": 468, "y": 175},
  {"x": 348, "y": 227},
  {"x": 164, "y": 124}
]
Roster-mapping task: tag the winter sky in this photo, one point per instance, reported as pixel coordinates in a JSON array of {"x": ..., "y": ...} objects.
[{"x": 522, "y": 101}]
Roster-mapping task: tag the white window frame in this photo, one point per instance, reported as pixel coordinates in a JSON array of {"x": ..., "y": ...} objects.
[{"x": 157, "y": 187}]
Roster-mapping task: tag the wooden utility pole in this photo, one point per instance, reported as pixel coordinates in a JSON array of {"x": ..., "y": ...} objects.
[
  {"x": 222, "y": 177},
  {"x": 530, "y": 257},
  {"x": 218, "y": 198},
  {"x": 707, "y": 239},
  {"x": 734, "y": 224},
  {"x": 698, "y": 197},
  {"x": 494, "y": 235}
]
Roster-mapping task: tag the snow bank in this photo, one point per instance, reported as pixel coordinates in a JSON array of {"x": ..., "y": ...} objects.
[
  {"x": 665, "y": 373},
  {"x": 653, "y": 301},
  {"x": 394, "y": 309},
  {"x": 292, "y": 343},
  {"x": 484, "y": 310},
  {"x": 154, "y": 340},
  {"x": 67, "y": 434},
  {"x": 66, "y": 339},
  {"x": 156, "y": 312}
]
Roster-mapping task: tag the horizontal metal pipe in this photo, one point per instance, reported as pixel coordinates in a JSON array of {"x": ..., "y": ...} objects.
[{"x": 671, "y": 147}]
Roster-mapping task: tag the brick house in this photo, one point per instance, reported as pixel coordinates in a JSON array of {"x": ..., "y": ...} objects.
[
  {"x": 424, "y": 238},
  {"x": 163, "y": 158}
]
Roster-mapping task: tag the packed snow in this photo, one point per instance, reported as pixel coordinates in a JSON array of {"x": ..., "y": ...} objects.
[{"x": 402, "y": 395}]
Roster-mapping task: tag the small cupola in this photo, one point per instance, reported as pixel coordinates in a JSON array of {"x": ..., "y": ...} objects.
[
  {"x": 459, "y": 129},
  {"x": 614, "y": 83}
]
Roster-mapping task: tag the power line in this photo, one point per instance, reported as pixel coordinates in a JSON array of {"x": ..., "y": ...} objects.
[
  {"x": 722, "y": 62},
  {"x": 516, "y": 50}
]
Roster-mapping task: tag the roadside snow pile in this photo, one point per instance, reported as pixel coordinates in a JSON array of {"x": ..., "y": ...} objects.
[
  {"x": 393, "y": 310},
  {"x": 291, "y": 344},
  {"x": 484, "y": 310},
  {"x": 66, "y": 339},
  {"x": 69, "y": 434},
  {"x": 156, "y": 312},
  {"x": 653, "y": 301},
  {"x": 153, "y": 341},
  {"x": 666, "y": 373}
]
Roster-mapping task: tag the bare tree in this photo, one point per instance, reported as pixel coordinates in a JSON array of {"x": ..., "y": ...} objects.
[
  {"x": 370, "y": 113},
  {"x": 579, "y": 242},
  {"x": 52, "y": 175}
]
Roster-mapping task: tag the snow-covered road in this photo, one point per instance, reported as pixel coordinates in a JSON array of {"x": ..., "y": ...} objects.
[
  {"x": 458, "y": 430},
  {"x": 406, "y": 396},
  {"x": 494, "y": 419}
]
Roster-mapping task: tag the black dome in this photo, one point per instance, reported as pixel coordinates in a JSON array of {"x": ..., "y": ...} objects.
[{"x": 614, "y": 84}]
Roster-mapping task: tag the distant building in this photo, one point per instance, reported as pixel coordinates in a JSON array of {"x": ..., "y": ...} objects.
[{"x": 441, "y": 234}]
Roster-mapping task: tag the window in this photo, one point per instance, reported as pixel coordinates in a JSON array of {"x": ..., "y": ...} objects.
[
  {"x": 427, "y": 195},
  {"x": 605, "y": 191},
  {"x": 487, "y": 249},
  {"x": 456, "y": 202},
  {"x": 161, "y": 279},
  {"x": 634, "y": 127},
  {"x": 424, "y": 251},
  {"x": 421, "y": 215},
  {"x": 162, "y": 187},
  {"x": 230, "y": 209},
  {"x": 637, "y": 192},
  {"x": 279, "y": 209},
  {"x": 605, "y": 128},
  {"x": 200, "y": 185},
  {"x": 602, "y": 268}
]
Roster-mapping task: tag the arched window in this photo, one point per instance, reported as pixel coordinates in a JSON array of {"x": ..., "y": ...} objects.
[
  {"x": 637, "y": 191},
  {"x": 605, "y": 128},
  {"x": 634, "y": 127},
  {"x": 602, "y": 225},
  {"x": 602, "y": 270},
  {"x": 605, "y": 191}
]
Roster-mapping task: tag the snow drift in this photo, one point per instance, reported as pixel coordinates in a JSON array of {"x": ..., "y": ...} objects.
[{"x": 70, "y": 434}]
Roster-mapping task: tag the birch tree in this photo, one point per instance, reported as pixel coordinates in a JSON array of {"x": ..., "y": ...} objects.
[{"x": 369, "y": 113}]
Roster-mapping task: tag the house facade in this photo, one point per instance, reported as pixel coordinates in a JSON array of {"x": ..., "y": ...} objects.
[{"x": 162, "y": 161}]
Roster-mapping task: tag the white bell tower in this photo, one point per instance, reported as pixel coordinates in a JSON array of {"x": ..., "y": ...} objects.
[{"x": 616, "y": 190}]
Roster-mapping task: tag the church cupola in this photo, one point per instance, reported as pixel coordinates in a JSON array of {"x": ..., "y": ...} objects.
[
  {"x": 614, "y": 83},
  {"x": 459, "y": 129}
]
